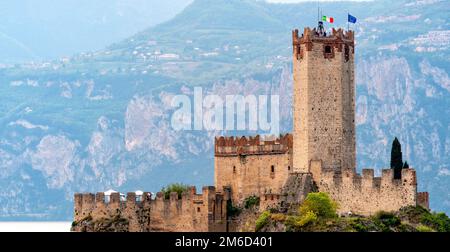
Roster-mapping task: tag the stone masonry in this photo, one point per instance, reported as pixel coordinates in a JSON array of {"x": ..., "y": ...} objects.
[{"x": 320, "y": 155}]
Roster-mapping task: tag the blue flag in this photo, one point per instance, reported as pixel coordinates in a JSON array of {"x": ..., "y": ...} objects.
[{"x": 351, "y": 19}]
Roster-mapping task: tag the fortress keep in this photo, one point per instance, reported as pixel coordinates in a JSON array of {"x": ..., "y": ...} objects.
[{"x": 320, "y": 155}]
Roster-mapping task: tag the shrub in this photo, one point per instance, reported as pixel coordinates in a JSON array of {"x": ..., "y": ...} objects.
[
  {"x": 358, "y": 225},
  {"x": 438, "y": 221},
  {"x": 232, "y": 210},
  {"x": 290, "y": 223},
  {"x": 387, "y": 218},
  {"x": 176, "y": 187},
  {"x": 262, "y": 220},
  {"x": 413, "y": 214},
  {"x": 320, "y": 204},
  {"x": 251, "y": 201},
  {"x": 305, "y": 219},
  {"x": 422, "y": 228}
]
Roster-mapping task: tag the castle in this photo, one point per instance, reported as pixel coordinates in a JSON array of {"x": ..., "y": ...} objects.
[{"x": 320, "y": 155}]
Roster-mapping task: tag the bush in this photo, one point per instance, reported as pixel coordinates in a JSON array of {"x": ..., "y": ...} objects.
[
  {"x": 232, "y": 210},
  {"x": 290, "y": 223},
  {"x": 422, "y": 228},
  {"x": 358, "y": 225},
  {"x": 413, "y": 214},
  {"x": 305, "y": 219},
  {"x": 251, "y": 201},
  {"x": 262, "y": 220},
  {"x": 320, "y": 204},
  {"x": 388, "y": 219},
  {"x": 438, "y": 221},
  {"x": 176, "y": 187}
]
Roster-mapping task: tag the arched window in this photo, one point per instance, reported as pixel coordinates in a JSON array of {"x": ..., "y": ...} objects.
[
  {"x": 272, "y": 169},
  {"x": 289, "y": 168}
]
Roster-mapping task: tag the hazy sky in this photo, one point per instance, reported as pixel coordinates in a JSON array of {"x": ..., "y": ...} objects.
[{"x": 297, "y": 1}]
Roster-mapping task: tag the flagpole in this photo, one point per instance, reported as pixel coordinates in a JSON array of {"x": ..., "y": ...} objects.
[
  {"x": 318, "y": 11},
  {"x": 348, "y": 23}
]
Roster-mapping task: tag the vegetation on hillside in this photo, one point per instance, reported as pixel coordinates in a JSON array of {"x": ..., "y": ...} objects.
[
  {"x": 251, "y": 201},
  {"x": 318, "y": 214}
]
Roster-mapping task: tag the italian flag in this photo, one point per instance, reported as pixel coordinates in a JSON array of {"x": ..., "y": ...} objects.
[{"x": 328, "y": 19}]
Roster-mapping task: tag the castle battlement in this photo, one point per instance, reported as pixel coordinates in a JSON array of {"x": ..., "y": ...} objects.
[
  {"x": 203, "y": 211},
  {"x": 233, "y": 146},
  {"x": 365, "y": 193},
  {"x": 368, "y": 180}
]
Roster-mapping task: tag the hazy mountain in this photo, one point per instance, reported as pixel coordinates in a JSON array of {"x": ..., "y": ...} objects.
[
  {"x": 101, "y": 120},
  {"x": 36, "y": 30}
]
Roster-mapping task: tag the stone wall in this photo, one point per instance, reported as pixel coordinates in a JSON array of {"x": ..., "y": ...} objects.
[
  {"x": 192, "y": 213},
  {"x": 423, "y": 199},
  {"x": 252, "y": 166},
  {"x": 368, "y": 194}
]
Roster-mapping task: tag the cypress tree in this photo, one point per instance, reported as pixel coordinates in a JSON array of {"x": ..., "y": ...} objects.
[
  {"x": 396, "y": 159},
  {"x": 406, "y": 165}
]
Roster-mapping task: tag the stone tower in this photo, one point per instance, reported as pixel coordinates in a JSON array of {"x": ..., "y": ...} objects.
[{"x": 324, "y": 99}]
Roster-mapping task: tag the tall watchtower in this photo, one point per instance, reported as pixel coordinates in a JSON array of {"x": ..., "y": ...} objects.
[{"x": 324, "y": 99}]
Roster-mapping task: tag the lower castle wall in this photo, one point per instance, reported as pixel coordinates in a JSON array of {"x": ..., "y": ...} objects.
[
  {"x": 366, "y": 194},
  {"x": 192, "y": 213}
]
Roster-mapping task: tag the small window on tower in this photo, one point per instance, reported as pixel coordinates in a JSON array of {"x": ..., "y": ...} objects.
[
  {"x": 289, "y": 168},
  {"x": 234, "y": 169},
  {"x": 328, "y": 49},
  {"x": 272, "y": 169}
]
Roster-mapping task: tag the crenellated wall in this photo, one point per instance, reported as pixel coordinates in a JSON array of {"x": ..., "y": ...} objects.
[
  {"x": 252, "y": 166},
  {"x": 368, "y": 194},
  {"x": 193, "y": 212},
  {"x": 235, "y": 146}
]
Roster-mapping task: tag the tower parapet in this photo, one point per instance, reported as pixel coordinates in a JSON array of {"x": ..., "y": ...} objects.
[
  {"x": 233, "y": 146},
  {"x": 338, "y": 39}
]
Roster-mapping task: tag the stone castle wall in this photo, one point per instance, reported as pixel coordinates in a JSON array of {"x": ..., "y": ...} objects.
[
  {"x": 252, "y": 166},
  {"x": 366, "y": 194},
  {"x": 423, "y": 199},
  {"x": 193, "y": 212},
  {"x": 324, "y": 99}
]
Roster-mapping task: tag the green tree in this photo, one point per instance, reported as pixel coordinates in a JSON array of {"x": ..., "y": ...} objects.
[
  {"x": 396, "y": 159},
  {"x": 406, "y": 165},
  {"x": 320, "y": 204},
  {"x": 176, "y": 187}
]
